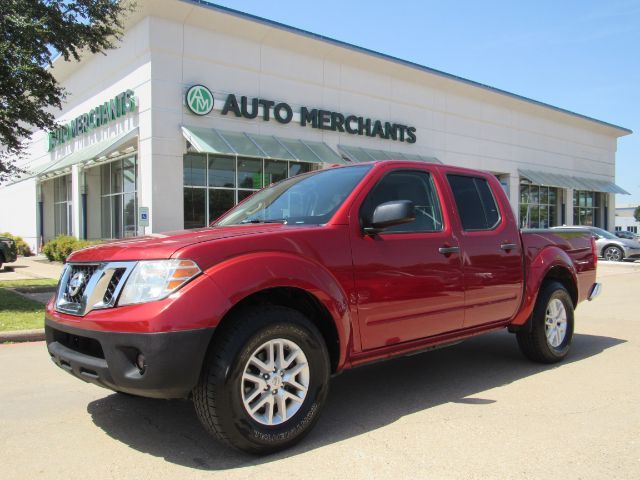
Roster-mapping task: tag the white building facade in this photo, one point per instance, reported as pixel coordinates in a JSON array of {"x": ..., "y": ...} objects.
[
  {"x": 201, "y": 105},
  {"x": 625, "y": 221}
]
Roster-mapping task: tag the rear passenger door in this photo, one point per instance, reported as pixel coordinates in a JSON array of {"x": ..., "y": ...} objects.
[{"x": 490, "y": 249}]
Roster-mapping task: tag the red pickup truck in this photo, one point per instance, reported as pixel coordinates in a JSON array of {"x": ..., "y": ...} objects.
[{"x": 313, "y": 275}]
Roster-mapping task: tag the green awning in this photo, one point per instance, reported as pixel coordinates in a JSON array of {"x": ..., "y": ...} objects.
[
  {"x": 98, "y": 151},
  {"x": 565, "y": 181},
  {"x": 361, "y": 154},
  {"x": 212, "y": 140}
]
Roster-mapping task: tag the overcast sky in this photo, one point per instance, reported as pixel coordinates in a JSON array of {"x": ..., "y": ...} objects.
[{"x": 583, "y": 56}]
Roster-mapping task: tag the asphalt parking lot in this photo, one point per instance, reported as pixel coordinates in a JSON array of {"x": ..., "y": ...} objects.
[{"x": 475, "y": 410}]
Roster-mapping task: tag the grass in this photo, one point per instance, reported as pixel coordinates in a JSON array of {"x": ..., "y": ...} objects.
[
  {"x": 36, "y": 282},
  {"x": 18, "y": 312}
]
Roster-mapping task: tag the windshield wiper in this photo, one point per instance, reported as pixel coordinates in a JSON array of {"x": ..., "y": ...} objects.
[{"x": 268, "y": 220}]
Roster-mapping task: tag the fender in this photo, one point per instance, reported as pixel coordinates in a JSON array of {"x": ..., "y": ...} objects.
[
  {"x": 242, "y": 276},
  {"x": 538, "y": 268}
]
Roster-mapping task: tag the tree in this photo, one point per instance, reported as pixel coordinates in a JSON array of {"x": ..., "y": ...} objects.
[
  {"x": 636, "y": 213},
  {"x": 33, "y": 32}
]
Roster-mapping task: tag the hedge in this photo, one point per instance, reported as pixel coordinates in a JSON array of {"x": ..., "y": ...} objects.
[
  {"x": 61, "y": 247},
  {"x": 21, "y": 246}
]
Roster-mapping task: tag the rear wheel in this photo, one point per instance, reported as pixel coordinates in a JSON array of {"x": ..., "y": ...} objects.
[
  {"x": 265, "y": 380},
  {"x": 613, "y": 254},
  {"x": 549, "y": 338}
]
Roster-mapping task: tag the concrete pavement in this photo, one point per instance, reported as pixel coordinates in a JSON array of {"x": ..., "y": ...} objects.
[
  {"x": 475, "y": 410},
  {"x": 26, "y": 268}
]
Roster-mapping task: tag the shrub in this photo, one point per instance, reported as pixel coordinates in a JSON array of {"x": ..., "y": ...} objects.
[
  {"x": 61, "y": 247},
  {"x": 22, "y": 247}
]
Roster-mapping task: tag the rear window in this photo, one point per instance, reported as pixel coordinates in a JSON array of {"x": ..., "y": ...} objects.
[{"x": 476, "y": 206}]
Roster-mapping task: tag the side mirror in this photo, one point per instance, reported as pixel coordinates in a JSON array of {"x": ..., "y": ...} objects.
[{"x": 389, "y": 214}]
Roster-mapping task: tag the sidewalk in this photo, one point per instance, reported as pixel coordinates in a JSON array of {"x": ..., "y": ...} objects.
[{"x": 31, "y": 267}]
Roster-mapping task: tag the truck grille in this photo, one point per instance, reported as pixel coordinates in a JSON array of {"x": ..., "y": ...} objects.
[
  {"x": 83, "y": 273},
  {"x": 110, "y": 292},
  {"x": 84, "y": 287}
]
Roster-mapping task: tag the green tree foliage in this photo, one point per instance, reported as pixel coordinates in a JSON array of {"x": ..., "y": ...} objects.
[
  {"x": 636, "y": 213},
  {"x": 31, "y": 31}
]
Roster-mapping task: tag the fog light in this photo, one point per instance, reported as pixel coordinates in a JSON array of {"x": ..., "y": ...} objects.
[{"x": 141, "y": 363}]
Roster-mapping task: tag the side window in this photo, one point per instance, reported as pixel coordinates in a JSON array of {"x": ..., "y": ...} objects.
[
  {"x": 416, "y": 186},
  {"x": 476, "y": 206}
]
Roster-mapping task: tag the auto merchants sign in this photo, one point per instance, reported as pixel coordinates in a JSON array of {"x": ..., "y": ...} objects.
[
  {"x": 104, "y": 113},
  {"x": 200, "y": 101}
]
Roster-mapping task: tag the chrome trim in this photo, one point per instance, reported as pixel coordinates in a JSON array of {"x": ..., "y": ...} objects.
[
  {"x": 95, "y": 289},
  {"x": 596, "y": 288}
]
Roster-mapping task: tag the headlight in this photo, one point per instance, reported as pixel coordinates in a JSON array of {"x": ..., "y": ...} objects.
[{"x": 156, "y": 279}]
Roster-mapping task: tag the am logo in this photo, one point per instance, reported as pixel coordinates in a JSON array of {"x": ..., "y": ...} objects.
[{"x": 199, "y": 99}]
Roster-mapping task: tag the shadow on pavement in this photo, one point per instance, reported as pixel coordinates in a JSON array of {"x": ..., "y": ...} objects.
[{"x": 360, "y": 400}]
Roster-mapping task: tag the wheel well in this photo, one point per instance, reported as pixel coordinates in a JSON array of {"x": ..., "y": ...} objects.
[
  {"x": 299, "y": 300},
  {"x": 562, "y": 275}
]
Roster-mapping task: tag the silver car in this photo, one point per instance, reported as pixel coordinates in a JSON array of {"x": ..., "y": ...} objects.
[{"x": 611, "y": 247}]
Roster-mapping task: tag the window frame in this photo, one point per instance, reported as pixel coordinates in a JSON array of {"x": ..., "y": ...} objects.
[
  {"x": 436, "y": 191},
  {"x": 498, "y": 205}
]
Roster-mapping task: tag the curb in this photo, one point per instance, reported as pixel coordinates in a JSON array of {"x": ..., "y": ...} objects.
[{"x": 22, "y": 336}]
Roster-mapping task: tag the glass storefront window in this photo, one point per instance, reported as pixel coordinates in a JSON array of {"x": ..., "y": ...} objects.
[
  {"x": 274, "y": 171},
  {"x": 586, "y": 208},
  {"x": 219, "y": 202},
  {"x": 195, "y": 170},
  {"x": 249, "y": 173},
  {"x": 194, "y": 208},
  {"x": 538, "y": 206},
  {"x": 119, "y": 198},
  {"x": 222, "y": 172},
  {"x": 215, "y": 183},
  {"x": 296, "y": 168},
  {"x": 62, "y": 205}
]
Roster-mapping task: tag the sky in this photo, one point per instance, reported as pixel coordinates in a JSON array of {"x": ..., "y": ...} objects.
[{"x": 583, "y": 56}]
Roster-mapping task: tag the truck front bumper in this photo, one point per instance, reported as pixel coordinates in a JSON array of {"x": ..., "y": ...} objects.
[{"x": 157, "y": 365}]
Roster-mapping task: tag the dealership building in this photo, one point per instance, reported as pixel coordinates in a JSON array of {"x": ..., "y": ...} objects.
[{"x": 201, "y": 105}]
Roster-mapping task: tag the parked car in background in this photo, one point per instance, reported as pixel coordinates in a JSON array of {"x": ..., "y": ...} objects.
[
  {"x": 626, "y": 234},
  {"x": 610, "y": 247},
  {"x": 8, "y": 251}
]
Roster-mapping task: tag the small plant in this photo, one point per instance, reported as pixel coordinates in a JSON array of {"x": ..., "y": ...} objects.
[
  {"x": 58, "y": 249},
  {"x": 22, "y": 247}
]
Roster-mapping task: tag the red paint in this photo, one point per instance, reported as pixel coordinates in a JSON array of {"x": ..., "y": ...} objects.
[{"x": 387, "y": 295}]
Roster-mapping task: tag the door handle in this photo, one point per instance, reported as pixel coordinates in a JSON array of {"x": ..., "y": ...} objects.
[
  {"x": 509, "y": 246},
  {"x": 449, "y": 250}
]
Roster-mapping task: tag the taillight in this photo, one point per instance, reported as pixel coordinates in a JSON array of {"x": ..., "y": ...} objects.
[{"x": 594, "y": 251}]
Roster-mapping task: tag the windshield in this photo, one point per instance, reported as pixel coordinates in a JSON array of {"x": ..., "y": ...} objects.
[
  {"x": 603, "y": 233},
  {"x": 308, "y": 199}
]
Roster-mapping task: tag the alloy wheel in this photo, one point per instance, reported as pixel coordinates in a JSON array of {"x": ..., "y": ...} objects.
[
  {"x": 275, "y": 382},
  {"x": 555, "y": 324}
]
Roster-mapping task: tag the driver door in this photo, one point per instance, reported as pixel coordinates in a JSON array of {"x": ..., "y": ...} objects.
[{"x": 406, "y": 288}]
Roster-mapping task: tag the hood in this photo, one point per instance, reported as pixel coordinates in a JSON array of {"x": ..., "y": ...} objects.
[{"x": 163, "y": 245}]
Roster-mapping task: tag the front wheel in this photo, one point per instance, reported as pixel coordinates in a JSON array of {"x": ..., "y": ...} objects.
[
  {"x": 613, "y": 254},
  {"x": 265, "y": 380},
  {"x": 549, "y": 338}
]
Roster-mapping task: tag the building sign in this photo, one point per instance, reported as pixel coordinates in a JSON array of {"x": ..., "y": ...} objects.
[
  {"x": 200, "y": 101},
  {"x": 119, "y": 106}
]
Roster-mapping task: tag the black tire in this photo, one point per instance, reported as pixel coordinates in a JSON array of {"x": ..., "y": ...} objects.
[
  {"x": 533, "y": 342},
  {"x": 613, "y": 254},
  {"x": 218, "y": 398}
]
